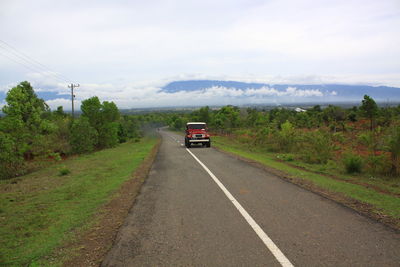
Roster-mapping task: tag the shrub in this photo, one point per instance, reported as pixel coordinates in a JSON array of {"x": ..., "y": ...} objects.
[
  {"x": 316, "y": 147},
  {"x": 352, "y": 163},
  {"x": 338, "y": 137},
  {"x": 378, "y": 164},
  {"x": 64, "y": 171},
  {"x": 261, "y": 136},
  {"x": 108, "y": 135},
  {"x": 11, "y": 162},
  {"x": 56, "y": 156},
  {"x": 243, "y": 136},
  {"x": 394, "y": 148},
  {"x": 285, "y": 157},
  {"x": 286, "y": 137}
]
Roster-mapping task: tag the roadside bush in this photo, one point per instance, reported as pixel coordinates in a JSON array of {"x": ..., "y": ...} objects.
[
  {"x": 352, "y": 163},
  {"x": 60, "y": 138},
  {"x": 128, "y": 128},
  {"x": 63, "y": 171},
  {"x": 260, "y": 137},
  {"x": 378, "y": 164},
  {"x": 108, "y": 135},
  {"x": 286, "y": 137},
  {"x": 394, "y": 148},
  {"x": 11, "y": 163},
  {"x": 83, "y": 137},
  {"x": 54, "y": 155},
  {"x": 285, "y": 157},
  {"x": 373, "y": 139},
  {"x": 338, "y": 137},
  {"x": 316, "y": 147},
  {"x": 243, "y": 136}
]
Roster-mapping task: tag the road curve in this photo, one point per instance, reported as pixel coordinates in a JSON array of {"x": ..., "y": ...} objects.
[{"x": 183, "y": 218}]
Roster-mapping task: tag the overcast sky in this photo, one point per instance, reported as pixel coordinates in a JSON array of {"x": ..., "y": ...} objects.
[{"x": 126, "y": 50}]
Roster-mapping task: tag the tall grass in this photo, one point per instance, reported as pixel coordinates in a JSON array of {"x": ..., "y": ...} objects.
[{"x": 41, "y": 210}]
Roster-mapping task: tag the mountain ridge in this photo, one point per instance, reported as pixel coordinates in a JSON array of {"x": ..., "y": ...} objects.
[{"x": 336, "y": 90}]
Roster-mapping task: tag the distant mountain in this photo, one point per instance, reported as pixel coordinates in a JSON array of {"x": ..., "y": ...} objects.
[{"x": 328, "y": 92}]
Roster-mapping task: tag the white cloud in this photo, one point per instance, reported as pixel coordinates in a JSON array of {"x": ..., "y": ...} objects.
[
  {"x": 131, "y": 97},
  {"x": 149, "y": 93}
]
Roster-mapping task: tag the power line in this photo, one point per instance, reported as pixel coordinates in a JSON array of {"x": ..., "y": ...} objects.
[
  {"x": 24, "y": 60},
  {"x": 25, "y": 65},
  {"x": 30, "y": 60},
  {"x": 34, "y": 64}
]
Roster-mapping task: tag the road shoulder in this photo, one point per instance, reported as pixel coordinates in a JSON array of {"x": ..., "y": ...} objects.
[
  {"x": 360, "y": 207},
  {"x": 96, "y": 241}
]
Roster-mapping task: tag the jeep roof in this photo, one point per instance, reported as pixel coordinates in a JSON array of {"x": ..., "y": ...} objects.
[{"x": 195, "y": 123}]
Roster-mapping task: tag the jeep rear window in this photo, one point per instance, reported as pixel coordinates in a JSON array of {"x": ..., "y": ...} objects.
[{"x": 196, "y": 126}]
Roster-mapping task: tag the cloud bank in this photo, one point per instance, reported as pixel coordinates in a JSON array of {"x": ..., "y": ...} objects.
[
  {"x": 151, "y": 95},
  {"x": 144, "y": 94}
]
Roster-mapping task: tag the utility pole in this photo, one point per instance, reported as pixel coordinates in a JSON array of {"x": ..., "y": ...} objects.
[{"x": 73, "y": 96}]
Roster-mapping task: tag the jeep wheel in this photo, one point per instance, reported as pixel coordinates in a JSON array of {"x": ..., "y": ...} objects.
[
  {"x": 208, "y": 144},
  {"x": 187, "y": 143}
]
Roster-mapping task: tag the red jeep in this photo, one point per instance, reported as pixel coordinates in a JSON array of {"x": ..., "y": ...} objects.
[{"x": 196, "y": 133}]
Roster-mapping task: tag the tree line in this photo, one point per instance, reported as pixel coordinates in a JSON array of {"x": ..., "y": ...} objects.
[
  {"x": 30, "y": 132},
  {"x": 364, "y": 138}
]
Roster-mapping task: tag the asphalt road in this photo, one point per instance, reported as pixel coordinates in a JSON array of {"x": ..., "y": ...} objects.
[{"x": 183, "y": 218}]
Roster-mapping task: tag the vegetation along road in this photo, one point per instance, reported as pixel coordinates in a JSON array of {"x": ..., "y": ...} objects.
[{"x": 203, "y": 207}]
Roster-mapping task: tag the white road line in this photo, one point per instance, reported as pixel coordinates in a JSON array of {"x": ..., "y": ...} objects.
[{"x": 261, "y": 234}]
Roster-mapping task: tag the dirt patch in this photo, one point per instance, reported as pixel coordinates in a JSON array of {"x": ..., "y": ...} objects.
[
  {"x": 92, "y": 246},
  {"x": 362, "y": 208}
]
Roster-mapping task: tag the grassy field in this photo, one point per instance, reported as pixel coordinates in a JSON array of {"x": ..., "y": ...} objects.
[
  {"x": 40, "y": 212},
  {"x": 382, "y": 195}
]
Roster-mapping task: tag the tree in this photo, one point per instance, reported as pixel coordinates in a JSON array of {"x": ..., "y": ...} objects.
[
  {"x": 369, "y": 109},
  {"x": 22, "y": 102},
  {"x": 204, "y": 114},
  {"x": 108, "y": 135},
  {"x": 102, "y": 117},
  {"x": 227, "y": 118},
  {"x": 252, "y": 117},
  {"x": 91, "y": 109},
  {"x": 316, "y": 108},
  {"x": 109, "y": 112},
  {"x": 83, "y": 136},
  {"x": 24, "y": 120},
  {"x": 128, "y": 128},
  {"x": 352, "y": 114},
  {"x": 60, "y": 112},
  {"x": 334, "y": 116},
  {"x": 286, "y": 137},
  {"x": 177, "y": 123}
]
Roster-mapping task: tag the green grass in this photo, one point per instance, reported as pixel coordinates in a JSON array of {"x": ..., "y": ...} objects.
[
  {"x": 387, "y": 204},
  {"x": 40, "y": 211}
]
